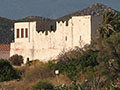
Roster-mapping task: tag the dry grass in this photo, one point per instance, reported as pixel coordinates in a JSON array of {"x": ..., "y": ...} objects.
[{"x": 32, "y": 74}]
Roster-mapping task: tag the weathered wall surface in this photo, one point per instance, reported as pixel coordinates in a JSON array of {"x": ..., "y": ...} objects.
[
  {"x": 81, "y": 31},
  {"x": 4, "y": 54},
  {"x": 78, "y": 31}
]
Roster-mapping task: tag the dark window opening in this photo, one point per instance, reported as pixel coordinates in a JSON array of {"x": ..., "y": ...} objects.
[
  {"x": 46, "y": 33},
  {"x": 17, "y": 33},
  {"x": 26, "y": 32},
  {"x": 28, "y": 60},
  {"x": 22, "y": 33},
  {"x": 80, "y": 38},
  {"x": 66, "y": 23},
  {"x": 66, "y": 38},
  {"x": 52, "y": 27}
]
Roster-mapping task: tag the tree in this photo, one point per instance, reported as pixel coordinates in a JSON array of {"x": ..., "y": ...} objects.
[
  {"x": 113, "y": 47},
  {"x": 110, "y": 23},
  {"x": 109, "y": 56}
]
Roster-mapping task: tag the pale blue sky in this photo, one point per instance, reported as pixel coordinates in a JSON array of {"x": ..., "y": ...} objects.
[{"x": 16, "y": 9}]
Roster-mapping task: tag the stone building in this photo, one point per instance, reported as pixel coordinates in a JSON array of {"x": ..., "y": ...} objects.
[
  {"x": 4, "y": 51},
  {"x": 45, "y": 40}
]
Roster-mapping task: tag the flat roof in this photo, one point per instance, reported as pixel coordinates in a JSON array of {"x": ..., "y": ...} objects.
[{"x": 4, "y": 47}]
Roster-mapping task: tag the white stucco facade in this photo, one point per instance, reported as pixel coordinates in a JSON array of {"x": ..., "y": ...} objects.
[{"x": 78, "y": 31}]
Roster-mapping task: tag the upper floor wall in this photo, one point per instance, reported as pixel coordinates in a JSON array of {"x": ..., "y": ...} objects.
[{"x": 22, "y": 31}]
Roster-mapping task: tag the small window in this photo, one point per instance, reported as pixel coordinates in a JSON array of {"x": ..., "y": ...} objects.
[
  {"x": 17, "y": 33},
  {"x": 26, "y": 32},
  {"x": 22, "y": 33},
  {"x": 66, "y": 38},
  {"x": 52, "y": 27},
  {"x": 80, "y": 38},
  {"x": 66, "y": 23}
]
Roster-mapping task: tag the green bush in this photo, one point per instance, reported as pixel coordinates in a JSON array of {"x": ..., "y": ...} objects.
[
  {"x": 112, "y": 87},
  {"x": 16, "y": 60},
  {"x": 7, "y": 72},
  {"x": 43, "y": 85},
  {"x": 72, "y": 86},
  {"x": 74, "y": 66}
]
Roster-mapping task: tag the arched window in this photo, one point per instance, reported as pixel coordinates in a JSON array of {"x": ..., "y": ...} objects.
[{"x": 28, "y": 59}]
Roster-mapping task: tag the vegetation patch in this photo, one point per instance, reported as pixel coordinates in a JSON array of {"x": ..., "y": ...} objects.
[
  {"x": 43, "y": 85},
  {"x": 7, "y": 72}
]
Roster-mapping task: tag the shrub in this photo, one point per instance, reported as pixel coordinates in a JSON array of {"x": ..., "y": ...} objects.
[
  {"x": 7, "y": 72},
  {"x": 76, "y": 65},
  {"x": 112, "y": 87},
  {"x": 16, "y": 60},
  {"x": 42, "y": 85},
  {"x": 72, "y": 86},
  {"x": 37, "y": 71}
]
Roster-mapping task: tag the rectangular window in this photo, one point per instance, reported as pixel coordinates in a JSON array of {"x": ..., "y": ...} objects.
[
  {"x": 80, "y": 38},
  {"x": 17, "y": 33},
  {"x": 66, "y": 38},
  {"x": 26, "y": 32},
  {"x": 22, "y": 33}
]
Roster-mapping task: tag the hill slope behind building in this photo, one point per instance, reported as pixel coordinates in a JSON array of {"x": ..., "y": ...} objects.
[
  {"x": 6, "y": 30},
  {"x": 95, "y": 9}
]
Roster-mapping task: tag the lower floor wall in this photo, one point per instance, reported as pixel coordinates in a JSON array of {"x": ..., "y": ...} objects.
[
  {"x": 31, "y": 52},
  {"x": 46, "y": 54},
  {"x": 43, "y": 55},
  {"x": 4, "y": 54}
]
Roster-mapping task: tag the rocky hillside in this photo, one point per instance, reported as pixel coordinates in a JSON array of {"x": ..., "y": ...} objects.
[{"x": 95, "y": 9}]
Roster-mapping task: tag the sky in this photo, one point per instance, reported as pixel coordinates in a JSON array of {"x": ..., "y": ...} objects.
[{"x": 17, "y": 9}]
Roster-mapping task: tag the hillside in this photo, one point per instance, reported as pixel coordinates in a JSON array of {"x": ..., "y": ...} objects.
[
  {"x": 33, "y": 18},
  {"x": 6, "y": 32},
  {"x": 95, "y": 9}
]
